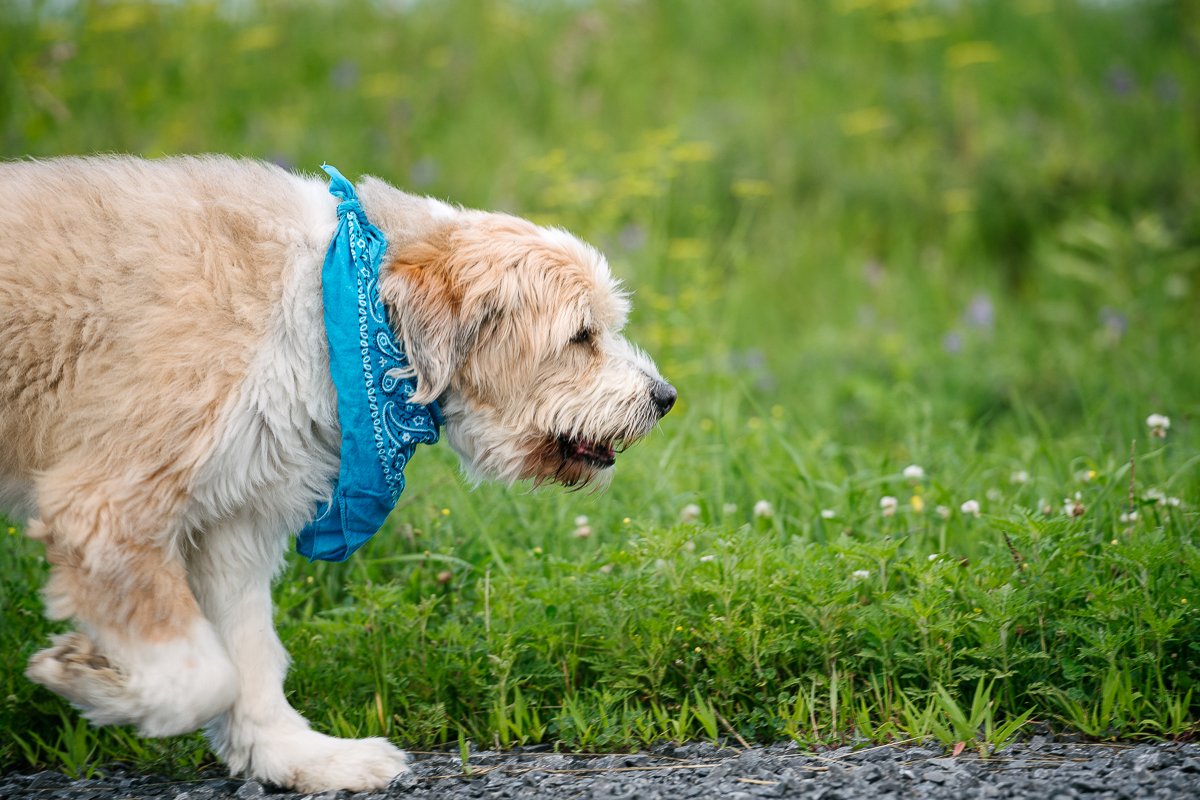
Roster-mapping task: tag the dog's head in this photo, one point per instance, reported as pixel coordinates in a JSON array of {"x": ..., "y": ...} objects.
[{"x": 516, "y": 330}]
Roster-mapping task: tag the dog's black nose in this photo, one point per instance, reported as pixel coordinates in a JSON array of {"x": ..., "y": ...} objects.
[{"x": 663, "y": 394}]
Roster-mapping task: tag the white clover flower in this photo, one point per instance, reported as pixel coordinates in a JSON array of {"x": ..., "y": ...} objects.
[
  {"x": 943, "y": 512},
  {"x": 689, "y": 513},
  {"x": 1160, "y": 498},
  {"x": 583, "y": 531},
  {"x": 580, "y": 521},
  {"x": 729, "y": 509},
  {"x": 970, "y": 507},
  {"x": 763, "y": 509},
  {"x": 1159, "y": 425},
  {"x": 860, "y": 574},
  {"x": 914, "y": 473},
  {"x": 1073, "y": 506},
  {"x": 888, "y": 504},
  {"x": 1019, "y": 476},
  {"x": 828, "y": 513},
  {"x": 1129, "y": 516}
]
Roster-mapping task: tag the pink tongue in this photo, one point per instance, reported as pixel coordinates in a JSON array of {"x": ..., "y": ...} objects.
[{"x": 594, "y": 450}]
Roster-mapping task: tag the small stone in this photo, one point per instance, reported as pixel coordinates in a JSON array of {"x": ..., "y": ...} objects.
[
  {"x": 938, "y": 775},
  {"x": 921, "y": 752},
  {"x": 554, "y": 761},
  {"x": 611, "y": 791},
  {"x": 250, "y": 790},
  {"x": 486, "y": 757},
  {"x": 44, "y": 780},
  {"x": 878, "y": 754},
  {"x": 869, "y": 773},
  {"x": 404, "y": 782},
  {"x": 690, "y": 751},
  {"x": 718, "y": 773},
  {"x": 1088, "y": 784}
]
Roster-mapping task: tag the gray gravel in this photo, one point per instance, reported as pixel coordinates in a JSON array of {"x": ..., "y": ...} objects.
[{"x": 1039, "y": 768}]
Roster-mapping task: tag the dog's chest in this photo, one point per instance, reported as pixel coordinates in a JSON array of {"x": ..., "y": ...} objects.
[{"x": 277, "y": 448}]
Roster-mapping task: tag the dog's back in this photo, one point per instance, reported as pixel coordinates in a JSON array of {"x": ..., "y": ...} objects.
[{"x": 133, "y": 295}]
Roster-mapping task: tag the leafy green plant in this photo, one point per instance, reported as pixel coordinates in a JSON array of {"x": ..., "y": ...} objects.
[
  {"x": 977, "y": 726},
  {"x": 880, "y": 273},
  {"x": 73, "y": 750}
]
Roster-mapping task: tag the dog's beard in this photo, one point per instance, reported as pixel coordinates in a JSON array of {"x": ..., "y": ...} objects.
[
  {"x": 586, "y": 454},
  {"x": 545, "y": 428},
  {"x": 491, "y": 450},
  {"x": 573, "y": 461}
]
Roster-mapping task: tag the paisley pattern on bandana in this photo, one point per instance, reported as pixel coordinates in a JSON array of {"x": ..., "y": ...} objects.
[{"x": 380, "y": 426}]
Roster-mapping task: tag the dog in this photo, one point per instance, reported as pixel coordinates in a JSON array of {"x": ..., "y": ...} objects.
[{"x": 168, "y": 417}]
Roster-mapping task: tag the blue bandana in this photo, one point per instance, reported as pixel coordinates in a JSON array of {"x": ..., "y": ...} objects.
[{"x": 380, "y": 427}]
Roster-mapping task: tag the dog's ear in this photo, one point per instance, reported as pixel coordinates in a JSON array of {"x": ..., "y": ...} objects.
[{"x": 435, "y": 306}]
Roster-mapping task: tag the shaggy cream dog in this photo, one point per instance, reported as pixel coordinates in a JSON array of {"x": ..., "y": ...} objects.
[{"x": 169, "y": 421}]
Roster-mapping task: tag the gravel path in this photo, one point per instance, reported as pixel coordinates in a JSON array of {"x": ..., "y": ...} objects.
[{"x": 1038, "y": 769}]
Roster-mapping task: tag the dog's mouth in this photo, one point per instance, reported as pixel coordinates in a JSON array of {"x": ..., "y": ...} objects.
[
  {"x": 571, "y": 459},
  {"x": 592, "y": 452}
]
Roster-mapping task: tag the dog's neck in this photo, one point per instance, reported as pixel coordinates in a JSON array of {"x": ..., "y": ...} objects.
[{"x": 402, "y": 217}]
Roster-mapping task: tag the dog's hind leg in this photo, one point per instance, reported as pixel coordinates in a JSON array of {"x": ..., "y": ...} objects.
[
  {"x": 261, "y": 735},
  {"x": 143, "y": 653}
]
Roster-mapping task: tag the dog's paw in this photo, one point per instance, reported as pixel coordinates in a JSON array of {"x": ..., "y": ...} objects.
[
  {"x": 310, "y": 762},
  {"x": 165, "y": 689},
  {"x": 73, "y": 668}
]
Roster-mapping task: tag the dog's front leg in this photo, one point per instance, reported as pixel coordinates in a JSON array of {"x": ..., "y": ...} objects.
[{"x": 262, "y": 736}]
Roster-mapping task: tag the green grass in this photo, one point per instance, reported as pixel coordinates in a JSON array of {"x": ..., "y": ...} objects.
[{"x": 861, "y": 235}]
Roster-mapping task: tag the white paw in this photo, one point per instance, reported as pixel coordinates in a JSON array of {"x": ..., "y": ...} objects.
[
  {"x": 310, "y": 762},
  {"x": 73, "y": 668},
  {"x": 164, "y": 688}
]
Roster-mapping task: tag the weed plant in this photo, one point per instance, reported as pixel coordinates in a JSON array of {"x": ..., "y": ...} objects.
[{"x": 862, "y": 236}]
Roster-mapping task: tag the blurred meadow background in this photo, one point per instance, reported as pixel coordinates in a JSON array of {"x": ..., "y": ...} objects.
[{"x": 921, "y": 271}]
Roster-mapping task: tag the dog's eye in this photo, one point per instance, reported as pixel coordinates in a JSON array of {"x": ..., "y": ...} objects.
[{"x": 583, "y": 337}]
